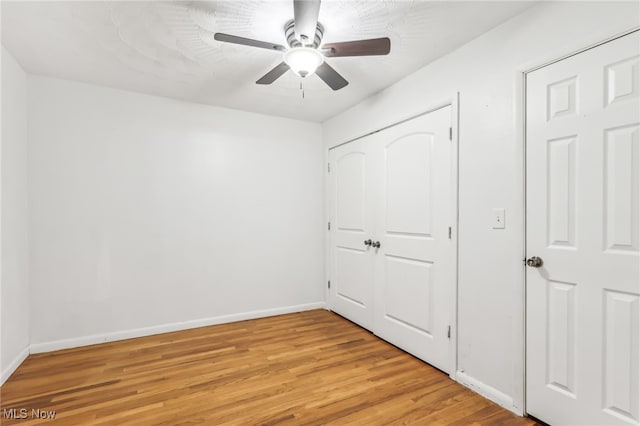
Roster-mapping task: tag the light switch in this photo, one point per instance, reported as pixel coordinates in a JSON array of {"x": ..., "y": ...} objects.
[{"x": 498, "y": 218}]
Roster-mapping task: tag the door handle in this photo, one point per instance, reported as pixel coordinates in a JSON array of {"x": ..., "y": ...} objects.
[
  {"x": 376, "y": 244},
  {"x": 368, "y": 243},
  {"x": 534, "y": 262}
]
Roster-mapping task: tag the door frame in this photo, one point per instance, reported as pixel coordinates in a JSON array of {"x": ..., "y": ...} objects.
[
  {"x": 452, "y": 101},
  {"x": 520, "y": 104}
]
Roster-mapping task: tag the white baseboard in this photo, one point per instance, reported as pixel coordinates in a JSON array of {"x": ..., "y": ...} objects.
[
  {"x": 488, "y": 392},
  {"x": 7, "y": 372},
  {"x": 167, "y": 328}
]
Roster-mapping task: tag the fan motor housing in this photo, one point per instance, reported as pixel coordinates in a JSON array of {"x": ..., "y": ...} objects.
[{"x": 292, "y": 41}]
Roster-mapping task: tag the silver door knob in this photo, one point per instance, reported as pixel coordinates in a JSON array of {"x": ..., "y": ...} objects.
[
  {"x": 368, "y": 243},
  {"x": 534, "y": 262},
  {"x": 376, "y": 244}
]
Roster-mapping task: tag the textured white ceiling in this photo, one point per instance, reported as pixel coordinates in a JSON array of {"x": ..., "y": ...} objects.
[{"x": 167, "y": 48}]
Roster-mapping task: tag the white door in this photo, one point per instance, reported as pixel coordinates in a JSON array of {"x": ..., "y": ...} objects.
[
  {"x": 352, "y": 221},
  {"x": 583, "y": 191},
  {"x": 415, "y": 264},
  {"x": 392, "y": 201}
]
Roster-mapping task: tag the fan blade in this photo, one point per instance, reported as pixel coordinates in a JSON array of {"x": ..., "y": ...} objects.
[
  {"x": 331, "y": 76},
  {"x": 274, "y": 74},
  {"x": 227, "y": 38},
  {"x": 370, "y": 47},
  {"x": 305, "y": 18}
]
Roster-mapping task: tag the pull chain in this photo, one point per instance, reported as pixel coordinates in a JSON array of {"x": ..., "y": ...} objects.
[{"x": 302, "y": 88}]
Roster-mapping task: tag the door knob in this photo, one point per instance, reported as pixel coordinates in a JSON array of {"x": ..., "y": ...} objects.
[
  {"x": 534, "y": 262},
  {"x": 368, "y": 243},
  {"x": 376, "y": 244}
]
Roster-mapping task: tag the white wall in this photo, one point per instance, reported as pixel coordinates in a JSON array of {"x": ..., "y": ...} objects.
[
  {"x": 490, "y": 307},
  {"x": 148, "y": 211},
  {"x": 14, "y": 288}
]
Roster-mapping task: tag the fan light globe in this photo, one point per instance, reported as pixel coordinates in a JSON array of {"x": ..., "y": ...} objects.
[{"x": 303, "y": 61}]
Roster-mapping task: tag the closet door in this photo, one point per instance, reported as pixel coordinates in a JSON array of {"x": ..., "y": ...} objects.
[
  {"x": 415, "y": 263},
  {"x": 352, "y": 212}
]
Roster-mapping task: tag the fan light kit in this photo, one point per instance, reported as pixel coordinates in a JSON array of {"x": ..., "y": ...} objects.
[
  {"x": 303, "y": 60},
  {"x": 305, "y": 56}
]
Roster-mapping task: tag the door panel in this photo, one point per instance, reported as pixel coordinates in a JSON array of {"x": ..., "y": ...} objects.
[
  {"x": 621, "y": 338},
  {"x": 561, "y": 353},
  {"x": 621, "y": 189},
  {"x": 408, "y": 185},
  {"x": 415, "y": 275},
  {"x": 561, "y": 192},
  {"x": 583, "y": 194},
  {"x": 350, "y": 206},
  {"x": 352, "y": 215},
  {"x": 409, "y": 277},
  {"x": 353, "y": 266}
]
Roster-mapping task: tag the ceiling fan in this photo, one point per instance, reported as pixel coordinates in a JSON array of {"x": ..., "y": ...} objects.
[{"x": 305, "y": 55}]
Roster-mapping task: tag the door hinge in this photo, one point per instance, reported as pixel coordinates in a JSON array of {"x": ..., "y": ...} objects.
[
  {"x": 449, "y": 232},
  {"x": 449, "y": 332},
  {"x": 329, "y": 284},
  {"x": 328, "y": 167},
  {"x": 328, "y": 226},
  {"x": 450, "y": 133}
]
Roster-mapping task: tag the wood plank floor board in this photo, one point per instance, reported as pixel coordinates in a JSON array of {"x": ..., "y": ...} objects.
[{"x": 308, "y": 368}]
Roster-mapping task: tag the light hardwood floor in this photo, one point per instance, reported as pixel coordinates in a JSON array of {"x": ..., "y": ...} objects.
[{"x": 308, "y": 368}]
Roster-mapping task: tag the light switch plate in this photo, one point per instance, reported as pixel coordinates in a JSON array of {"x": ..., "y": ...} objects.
[{"x": 498, "y": 218}]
